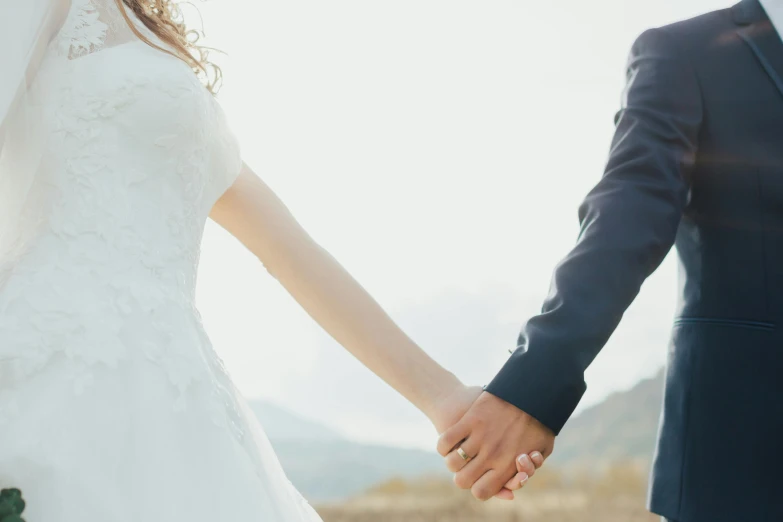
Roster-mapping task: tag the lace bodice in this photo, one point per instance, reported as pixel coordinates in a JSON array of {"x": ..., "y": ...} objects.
[{"x": 105, "y": 257}]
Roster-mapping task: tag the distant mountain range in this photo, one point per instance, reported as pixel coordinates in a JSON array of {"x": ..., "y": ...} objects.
[
  {"x": 325, "y": 466},
  {"x": 281, "y": 424},
  {"x": 622, "y": 427}
]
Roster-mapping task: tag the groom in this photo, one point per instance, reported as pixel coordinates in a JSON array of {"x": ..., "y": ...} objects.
[{"x": 696, "y": 162}]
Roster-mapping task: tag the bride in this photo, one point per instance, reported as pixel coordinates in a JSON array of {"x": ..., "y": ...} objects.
[{"x": 113, "y": 155}]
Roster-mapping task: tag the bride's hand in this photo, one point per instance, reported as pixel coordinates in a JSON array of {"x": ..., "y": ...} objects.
[
  {"x": 526, "y": 467},
  {"x": 449, "y": 408}
]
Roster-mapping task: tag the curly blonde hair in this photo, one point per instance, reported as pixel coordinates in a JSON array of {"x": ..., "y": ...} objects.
[{"x": 165, "y": 20}]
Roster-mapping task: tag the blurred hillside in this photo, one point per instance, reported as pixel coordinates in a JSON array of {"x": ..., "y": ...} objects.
[
  {"x": 622, "y": 427},
  {"x": 616, "y": 494},
  {"x": 325, "y": 466}
]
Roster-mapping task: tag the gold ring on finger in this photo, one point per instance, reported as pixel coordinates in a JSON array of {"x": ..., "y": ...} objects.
[{"x": 461, "y": 453}]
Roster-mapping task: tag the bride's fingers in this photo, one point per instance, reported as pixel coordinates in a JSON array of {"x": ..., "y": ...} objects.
[
  {"x": 525, "y": 465},
  {"x": 526, "y": 468},
  {"x": 505, "y": 494},
  {"x": 537, "y": 458},
  {"x": 530, "y": 463},
  {"x": 519, "y": 480}
]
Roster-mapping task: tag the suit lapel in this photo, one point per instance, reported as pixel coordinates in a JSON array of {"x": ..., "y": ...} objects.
[{"x": 757, "y": 31}]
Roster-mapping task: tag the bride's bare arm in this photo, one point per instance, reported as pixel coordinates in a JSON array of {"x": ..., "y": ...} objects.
[{"x": 251, "y": 212}]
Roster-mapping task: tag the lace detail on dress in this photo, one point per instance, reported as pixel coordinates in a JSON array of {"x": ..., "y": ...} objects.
[
  {"x": 83, "y": 31},
  {"x": 93, "y": 25}
]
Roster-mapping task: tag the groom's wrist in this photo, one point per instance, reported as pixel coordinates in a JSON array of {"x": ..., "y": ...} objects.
[{"x": 539, "y": 386}]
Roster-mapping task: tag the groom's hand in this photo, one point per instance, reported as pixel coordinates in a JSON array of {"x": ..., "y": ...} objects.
[{"x": 492, "y": 433}]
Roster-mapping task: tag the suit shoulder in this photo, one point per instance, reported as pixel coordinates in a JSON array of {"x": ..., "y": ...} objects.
[
  {"x": 702, "y": 30},
  {"x": 713, "y": 20},
  {"x": 692, "y": 36}
]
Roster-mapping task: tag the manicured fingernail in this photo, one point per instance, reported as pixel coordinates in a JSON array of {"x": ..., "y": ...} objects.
[
  {"x": 522, "y": 459},
  {"x": 535, "y": 454},
  {"x": 523, "y": 479}
]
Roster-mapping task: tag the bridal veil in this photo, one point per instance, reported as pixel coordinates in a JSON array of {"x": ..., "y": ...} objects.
[{"x": 26, "y": 27}]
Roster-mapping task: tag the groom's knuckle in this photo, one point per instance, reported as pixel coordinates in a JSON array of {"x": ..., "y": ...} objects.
[
  {"x": 461, "y": 481},
  {"x": 481, "y": 492},
  {"x": 443, "y": 446}
]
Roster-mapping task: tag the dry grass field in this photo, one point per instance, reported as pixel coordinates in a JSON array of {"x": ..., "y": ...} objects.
[{"x": 615, "y": 494}]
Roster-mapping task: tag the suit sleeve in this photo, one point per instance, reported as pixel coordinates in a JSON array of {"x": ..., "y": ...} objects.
[{"x": 628, "y": 224}]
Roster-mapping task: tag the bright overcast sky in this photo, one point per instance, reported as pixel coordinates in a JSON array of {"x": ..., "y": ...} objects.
[{"x": 439, "y": 149}]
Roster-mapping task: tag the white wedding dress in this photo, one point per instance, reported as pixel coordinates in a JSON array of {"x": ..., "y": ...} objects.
[{"x": 114, "y": 407}]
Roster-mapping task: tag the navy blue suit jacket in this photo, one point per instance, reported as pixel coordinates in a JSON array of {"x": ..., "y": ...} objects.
[{"x": 696, "y": 162}]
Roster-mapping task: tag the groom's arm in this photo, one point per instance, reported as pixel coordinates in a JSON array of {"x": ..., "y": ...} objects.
[{"x": 628, "y": 224}]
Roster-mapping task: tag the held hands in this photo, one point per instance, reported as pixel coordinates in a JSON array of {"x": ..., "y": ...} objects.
[{"x": 480, "y": 437}]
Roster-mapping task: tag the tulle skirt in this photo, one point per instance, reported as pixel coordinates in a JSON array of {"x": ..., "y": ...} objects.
[{"x": 122, "y": 451}]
